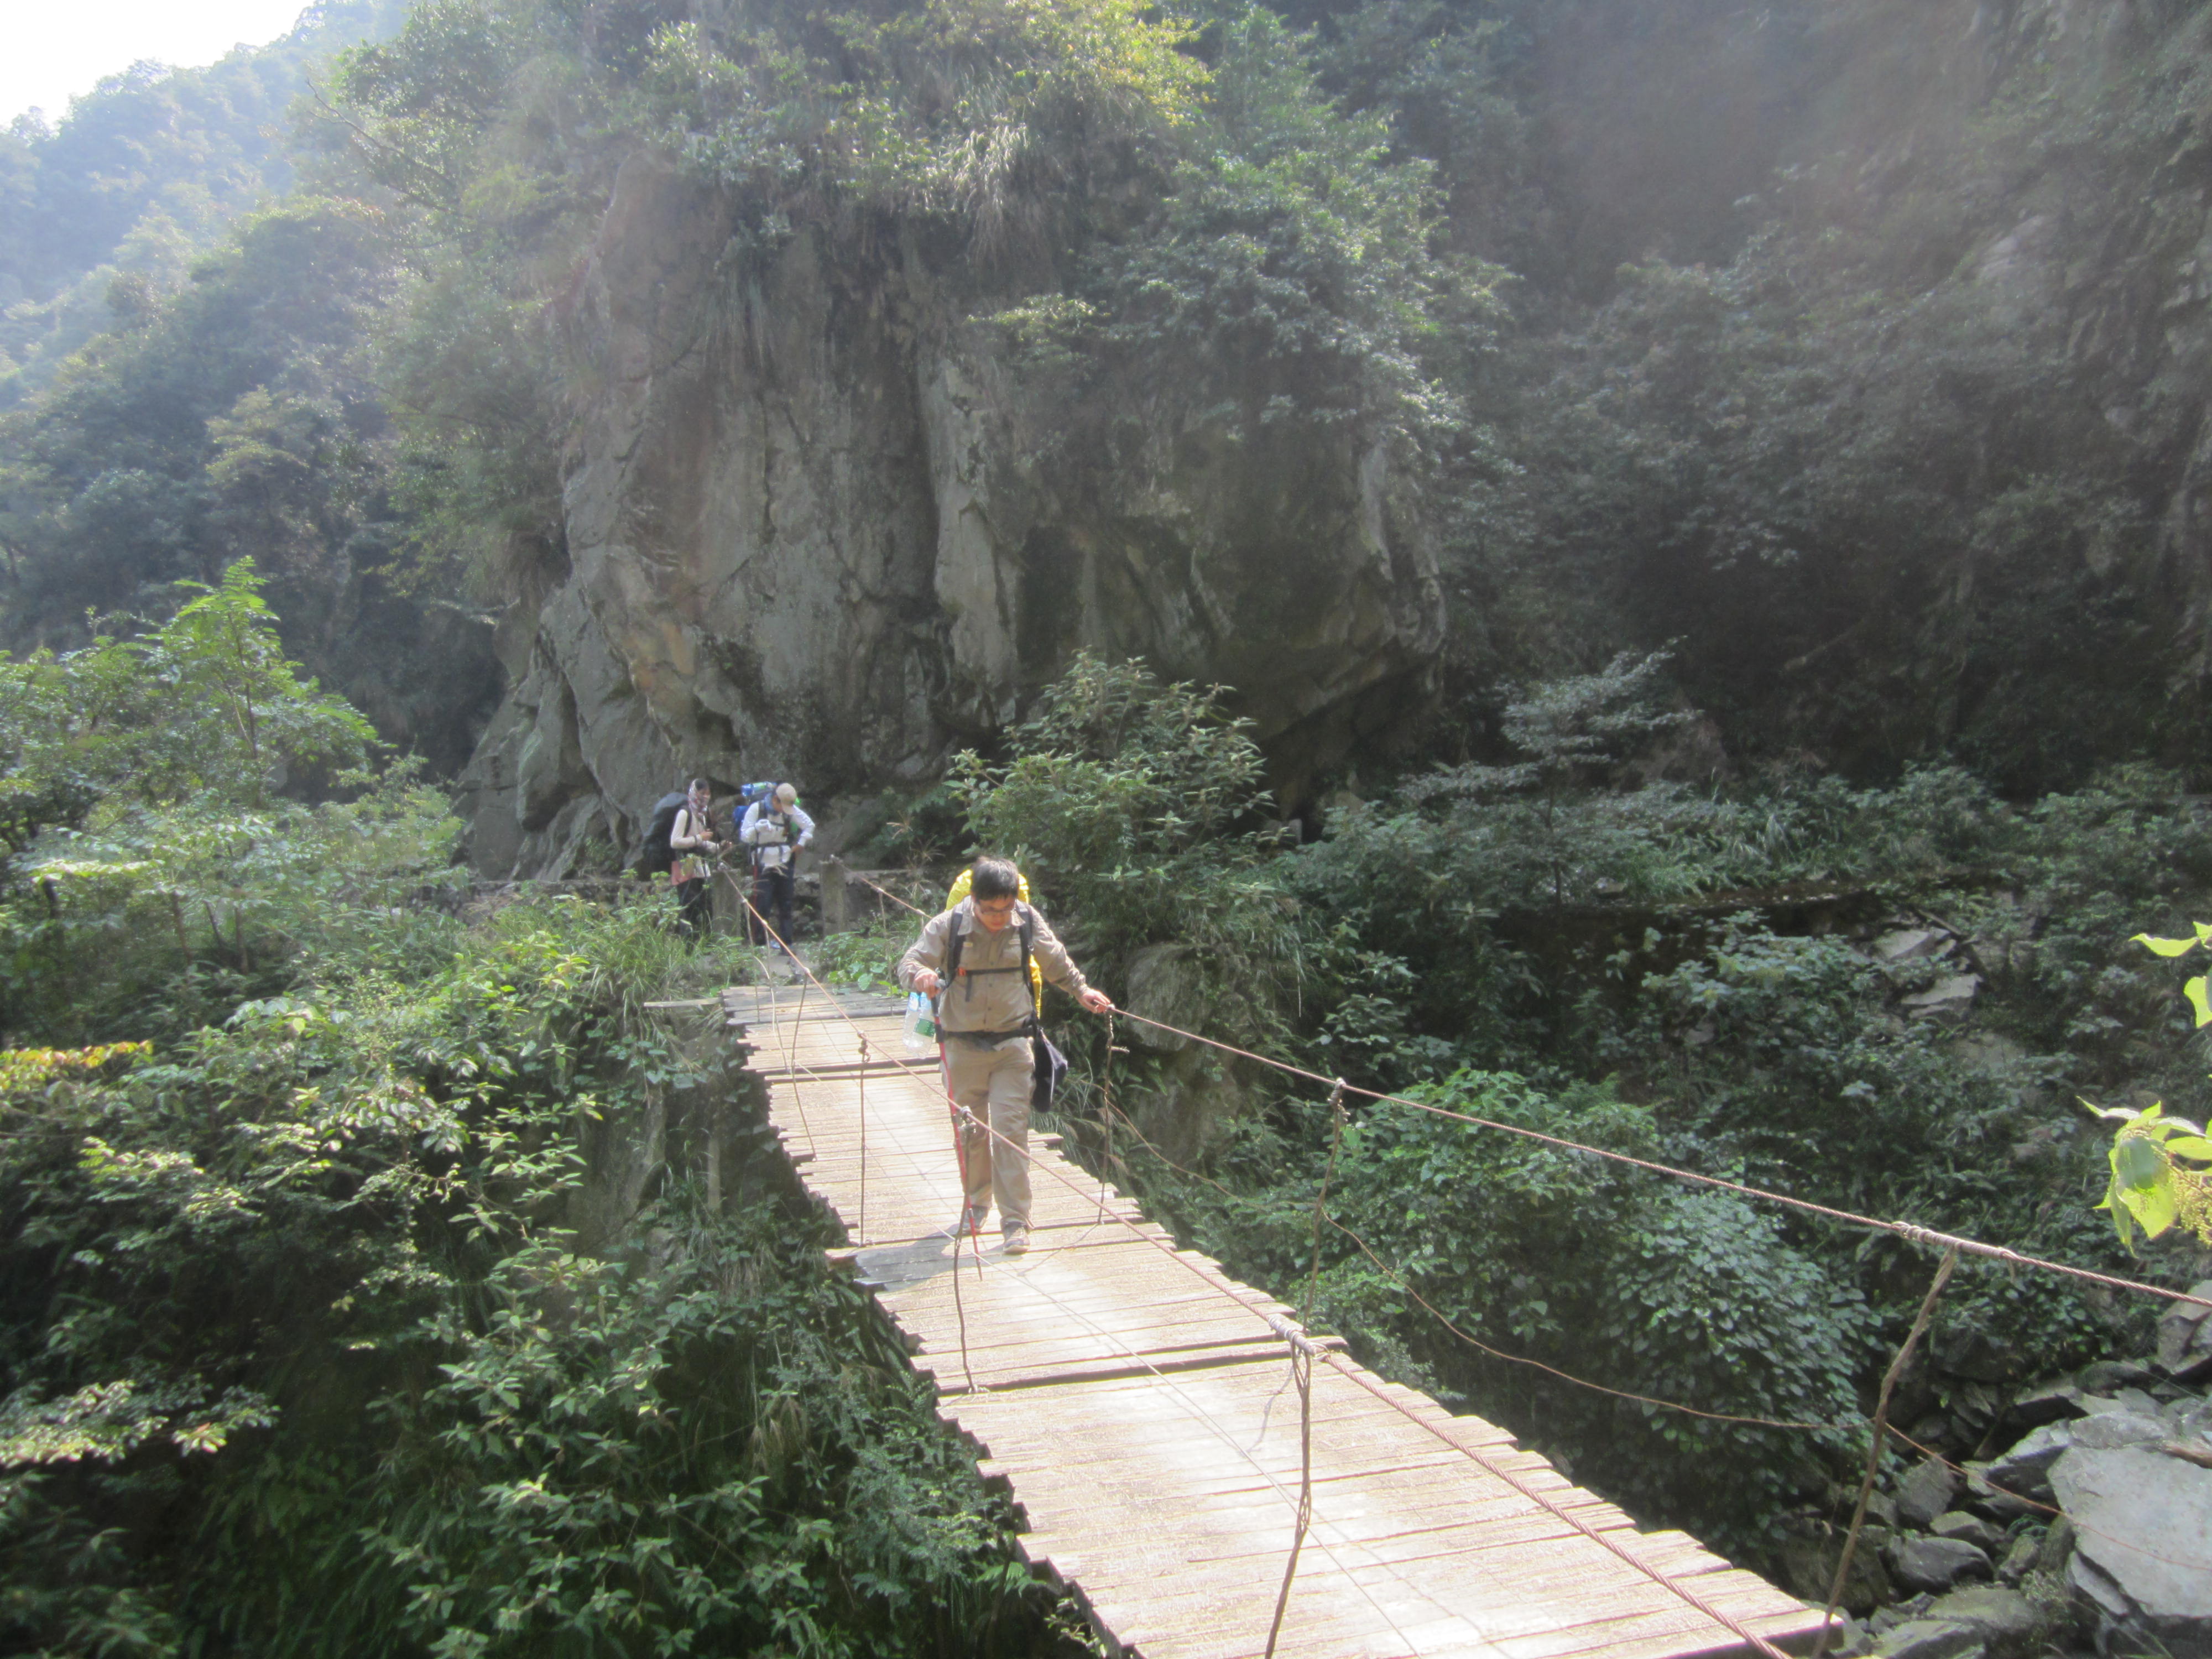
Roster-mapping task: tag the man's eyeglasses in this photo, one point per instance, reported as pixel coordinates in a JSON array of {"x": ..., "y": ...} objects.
[{"x": 1004, "y": 908}]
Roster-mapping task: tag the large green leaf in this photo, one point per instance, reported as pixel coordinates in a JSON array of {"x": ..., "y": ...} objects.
[{"x": 2137, "y": 1164}]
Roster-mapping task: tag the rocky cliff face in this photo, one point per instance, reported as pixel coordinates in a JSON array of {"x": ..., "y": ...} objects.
[{"x": 822, "y": 526}]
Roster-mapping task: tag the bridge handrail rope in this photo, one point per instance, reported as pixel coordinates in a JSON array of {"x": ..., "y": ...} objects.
[
  {"x": 1905, "y": 1230},
  {"x": 1443, "y": 1319},
  {"x": 1888, "y": 1431},
  {"x": 1727, "y": 1622}
]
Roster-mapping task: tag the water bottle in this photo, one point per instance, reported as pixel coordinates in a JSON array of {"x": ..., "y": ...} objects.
[{"x": 920, "y": 1027}]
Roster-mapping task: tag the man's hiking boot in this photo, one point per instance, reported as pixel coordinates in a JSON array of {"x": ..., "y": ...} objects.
[
  {"x": 1017, "y": 1242},
  {"x": 971, "y": 1218}
]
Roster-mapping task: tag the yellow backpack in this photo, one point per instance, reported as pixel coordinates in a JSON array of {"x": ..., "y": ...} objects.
[{"x": 966, "y": 879}]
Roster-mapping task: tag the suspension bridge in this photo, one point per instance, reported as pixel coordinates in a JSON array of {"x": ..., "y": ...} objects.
[{"x": 1208, "y": 1480}]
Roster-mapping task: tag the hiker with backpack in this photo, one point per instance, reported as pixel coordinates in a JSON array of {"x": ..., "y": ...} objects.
[
  {"x": 774, "y": 831},
  {"x": 693, "y": 848},
  {"x": 976, "y": 958}
]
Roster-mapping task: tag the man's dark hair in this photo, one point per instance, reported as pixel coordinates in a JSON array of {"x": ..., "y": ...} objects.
[{"x": 994, "y": 878}]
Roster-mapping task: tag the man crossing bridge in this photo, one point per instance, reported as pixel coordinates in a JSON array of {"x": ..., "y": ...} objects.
[{"x": 977, "y": 955}]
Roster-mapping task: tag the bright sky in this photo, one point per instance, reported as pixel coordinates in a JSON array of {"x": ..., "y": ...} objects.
[{"x": 52, "y": 50}]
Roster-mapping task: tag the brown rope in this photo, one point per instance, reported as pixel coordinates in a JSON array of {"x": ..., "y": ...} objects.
[
  {"x": 1321, "y": 1196},
  {"x": 862, "y": 1080},
  {"x": 1302, "y": 1353},
  {"x": 1905, "y": 1230},
  {"x": 1874, "y": 1441}
]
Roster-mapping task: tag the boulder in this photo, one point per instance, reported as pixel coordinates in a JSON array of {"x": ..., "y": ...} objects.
[
  {"x": 1912, "y": 944},
  {"x": 1925, "y": 1492},
  {"x": 2004, "y": 1619},
  {"x": 1163, "y": 985},
  {"x": 2185, "y": 1337},
  {"x": 2019, "y": 1560},
  {"x": 2050, "y": 1403},
  {"x": 1934, "y": 1564},
  {"x": 2142, "y": 1546},
  {"x": 1932, "y": 1638},
  {"x": 1968, "y": 1529},
  {"x": 2026, "y": 1470},
  {"x": 2108, "y": 1430},
  {"x": 1945, "y": 1002},
  {"x": 1992, "y": 1502},
  {"x": 2110, "y": 1376},
  {"x": 1807, "y": 1562},
  {"x": 1965, "y": 1350}
]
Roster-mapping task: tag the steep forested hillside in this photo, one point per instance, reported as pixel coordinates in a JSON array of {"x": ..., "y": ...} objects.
[
  {"x": 106, "y": 204},
  {"x": 1857, "y": 348}
]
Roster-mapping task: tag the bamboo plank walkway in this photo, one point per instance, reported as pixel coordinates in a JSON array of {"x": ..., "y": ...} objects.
[{"x": 1138, "y": 1401}]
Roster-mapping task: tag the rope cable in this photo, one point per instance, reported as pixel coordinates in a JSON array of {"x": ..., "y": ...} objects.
[
  {"x": 1908, "y": 1230},
  {"x": 1905, "y": 1230},
  {"x": 1302, "y": 1352},
  {"x": 1874, "y": 1442}
]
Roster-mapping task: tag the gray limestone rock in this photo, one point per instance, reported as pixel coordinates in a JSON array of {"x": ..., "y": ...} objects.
[
  {"x": 2109, "y": 1430},
  {"x": 820, "y": 525},
  {"x": 1945, "y": 1002},
  {"x": 2142, "y": 1538},
  {"x": 1911, "y": 944},
  {"x": 1970, "y": 1352},
  {"x": 2049, "y": 1403},
  {"x": 2105, "y": 1376},
  {"x": 1925, "y": 1492},
  {"x": 2185, "y": 1337},
  {"x": 1968, "y": 1529},
  {"x": 2004, "y": 1619},
  {"x": 1987, "y": 1499},
  {"x": 2026, "y": 1470},
  {"x": 1932, "y": 1638},
  {"x": 1934, "y": 1564}
]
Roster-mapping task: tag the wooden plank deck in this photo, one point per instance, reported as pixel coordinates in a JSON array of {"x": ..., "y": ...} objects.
[{"x": 1139, "y": 1403}]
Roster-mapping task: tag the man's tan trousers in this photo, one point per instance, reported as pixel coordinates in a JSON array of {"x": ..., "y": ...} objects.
[{"x": 993, "y": 1083}]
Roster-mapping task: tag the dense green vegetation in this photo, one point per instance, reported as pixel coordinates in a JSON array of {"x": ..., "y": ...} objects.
[
  {"x": 344, "y": 1310},
  {"x": 104, "y": 207}
]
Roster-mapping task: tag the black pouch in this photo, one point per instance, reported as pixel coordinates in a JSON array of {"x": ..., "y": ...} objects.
[{"x": 1047, "y": 1066}]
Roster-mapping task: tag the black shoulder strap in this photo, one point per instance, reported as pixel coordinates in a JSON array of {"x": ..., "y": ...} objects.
[{"x": 960, "y": 939}]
